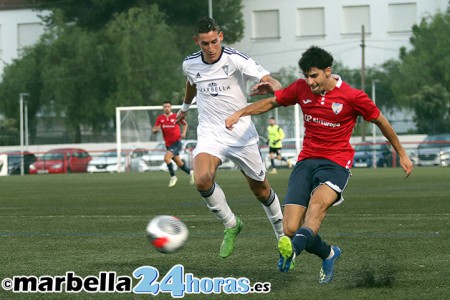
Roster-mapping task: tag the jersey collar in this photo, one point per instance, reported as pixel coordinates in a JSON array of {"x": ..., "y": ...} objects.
[
  {"x": 205, "y": 62},
  {"x": 339, "y": 80}
]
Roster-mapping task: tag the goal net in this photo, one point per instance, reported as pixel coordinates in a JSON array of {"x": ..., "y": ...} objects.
[
  {"x": 134, "y": 130},
  {"x": 134, "y": 127}
]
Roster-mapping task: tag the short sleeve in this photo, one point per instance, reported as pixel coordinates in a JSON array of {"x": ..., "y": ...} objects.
[
  {"x": 250, "y": 68},
  {"x": 289, "y": 95},
  {"x": 365, "y": 106}
]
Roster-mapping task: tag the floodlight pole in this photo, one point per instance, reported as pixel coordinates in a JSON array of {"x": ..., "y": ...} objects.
[
  {"x": 374, "y": 129},
  {"x": 26, "y": 124},
  {"x": 210, "y": 10},
  {"x": 22, "y": 165}
]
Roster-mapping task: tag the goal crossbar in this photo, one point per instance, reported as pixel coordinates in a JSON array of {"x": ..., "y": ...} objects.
[
  {"x": 121, "y": 109},
  {"x": 291, "y": 120}
]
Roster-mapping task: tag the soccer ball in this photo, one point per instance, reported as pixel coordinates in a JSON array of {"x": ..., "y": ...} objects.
[{"x": 167, "y": 233}]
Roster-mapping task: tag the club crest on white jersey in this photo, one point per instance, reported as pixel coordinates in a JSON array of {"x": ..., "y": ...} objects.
[{"x": 222, "y": 90}]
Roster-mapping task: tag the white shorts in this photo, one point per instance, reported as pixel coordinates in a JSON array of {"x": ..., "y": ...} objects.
[{"x": 247, "y": 158}]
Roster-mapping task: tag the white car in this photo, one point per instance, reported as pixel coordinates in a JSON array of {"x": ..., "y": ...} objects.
[
  {"x": 106, "y": 162},
  {"x": 433, "y": 151},
  {"x": 153, "y": 160},
  {"x": 288, "y": 151}
]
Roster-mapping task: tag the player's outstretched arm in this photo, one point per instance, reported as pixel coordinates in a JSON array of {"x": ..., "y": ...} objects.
[
  {"x": 267, "y": 85},
  {"x": 190, "y": 93},
  {"x": 184, "y": 131},
  {"x": 256, "y": 108},
  {"x": 155, "y": 129},
  {"x": 389, "y": 133},
  {"x": 181, "y": 115}
]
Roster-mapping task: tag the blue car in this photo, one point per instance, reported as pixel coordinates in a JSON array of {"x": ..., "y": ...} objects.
[{"x": 365, "y": 152}]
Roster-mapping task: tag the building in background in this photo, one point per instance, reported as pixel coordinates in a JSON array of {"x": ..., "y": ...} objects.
[
  {"x": 20, "y": 26},
  {"x": 277, "y": 32}
]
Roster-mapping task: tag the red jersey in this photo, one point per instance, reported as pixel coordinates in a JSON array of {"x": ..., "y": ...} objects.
[
  {"x": 170, "y": 130},
  {"x": 329, "y": 119}
]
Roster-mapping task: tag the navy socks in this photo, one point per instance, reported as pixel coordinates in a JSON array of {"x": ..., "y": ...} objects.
[{"x": 305, "y": 239}]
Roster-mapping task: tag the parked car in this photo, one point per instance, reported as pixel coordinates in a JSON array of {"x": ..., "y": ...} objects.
[
  {"x": 14, "y": 161},
  {"x": 384, "y": 155},
  {"x": 289, "y": 151},
  {"x": 64, "y": 160},
  {"x": 106, "y": 162},
  {"x": 433, "y": 151},
  {"x": 153, "y": 160}
]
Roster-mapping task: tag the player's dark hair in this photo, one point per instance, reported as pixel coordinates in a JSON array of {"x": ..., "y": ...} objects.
[
  {"x": 167, "y": 102},
  {"x": 315, "y": 57},
  {"x": 205, "y": 25}
]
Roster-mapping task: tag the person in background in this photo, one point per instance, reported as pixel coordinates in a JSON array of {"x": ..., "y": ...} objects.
[
  {"x": 275, "y": 137},
  {"x": 172, "y": 135}
]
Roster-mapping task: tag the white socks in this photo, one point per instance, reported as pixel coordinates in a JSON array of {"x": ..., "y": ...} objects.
[
  {"x": 217, "y": 203},
  {"x": 272, "y": 209}
]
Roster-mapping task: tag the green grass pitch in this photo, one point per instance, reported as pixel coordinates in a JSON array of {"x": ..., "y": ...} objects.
[{"x": 393, "y": 232}]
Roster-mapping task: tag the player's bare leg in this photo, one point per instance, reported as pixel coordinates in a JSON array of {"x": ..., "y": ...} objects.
[
  {"x": 168, "y": 160},
  {"x": 272, "y": 164},
  {"x": 181, "y": 164}
]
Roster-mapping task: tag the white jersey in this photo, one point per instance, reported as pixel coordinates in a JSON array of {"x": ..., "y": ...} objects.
[{"x": 221, "y": 91}]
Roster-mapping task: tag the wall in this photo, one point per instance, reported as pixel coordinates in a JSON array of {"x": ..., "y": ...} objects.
[
  {"x": 90, "y": 147},
  {"x": 9, "y": 35},
  {"x": 381, "y": 45},
  {"x": 410, "y": 142}
]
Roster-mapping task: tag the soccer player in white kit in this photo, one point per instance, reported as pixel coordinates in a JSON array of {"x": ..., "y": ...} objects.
[{"x": 217, "y": 77}]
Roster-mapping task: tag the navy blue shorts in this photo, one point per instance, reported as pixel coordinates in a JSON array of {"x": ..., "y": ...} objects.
[
  {"x": 308, "y": 174},
  {"x": 175, "y": 148}
]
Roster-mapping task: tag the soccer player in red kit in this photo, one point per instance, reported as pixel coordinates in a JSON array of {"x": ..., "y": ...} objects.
[
  {"x": 330, "y": 108},
  {"x": 172, "y": 138}
]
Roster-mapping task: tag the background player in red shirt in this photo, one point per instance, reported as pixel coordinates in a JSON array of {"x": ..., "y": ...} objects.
[
  {"x": 330, "y": 108},
  {"x": 172, "y": 137}
]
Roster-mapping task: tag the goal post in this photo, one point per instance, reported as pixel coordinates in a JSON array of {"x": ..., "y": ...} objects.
[{"x": 134, "y": 126}]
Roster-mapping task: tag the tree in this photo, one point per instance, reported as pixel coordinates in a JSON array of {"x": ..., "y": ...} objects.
[
  {"x": 87, "y": 74},
  {"x": 93, "y": 15},
  {"x": 98, "y": 54},
  {"x": 386, "y": 75},
  {"x": 90, "y": 15},
  {"x": 9, "y": 132},
  {"x": 423, "y": 76},
  {"x": 23, "y": 76},
  {"x": 182, "y": 15},
  {"x": 83, "y": 75},
  {"x": 146, "y": 68},
  {"x": 71, "y": 77},
  {"x": 432, "y": 118},
  {"x": 286, "y": 76}
]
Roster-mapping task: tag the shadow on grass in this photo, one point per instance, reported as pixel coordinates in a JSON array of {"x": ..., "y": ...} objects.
[{"x": 369, "y": 277}]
